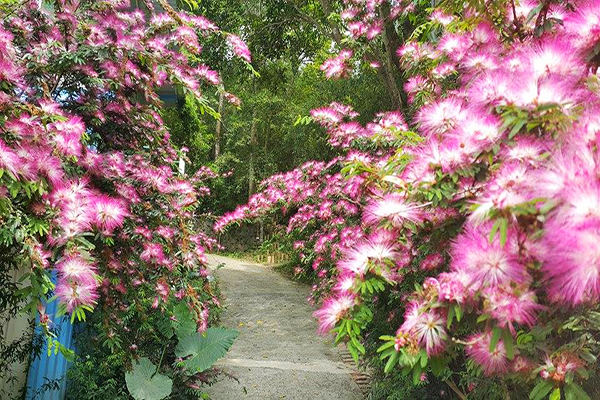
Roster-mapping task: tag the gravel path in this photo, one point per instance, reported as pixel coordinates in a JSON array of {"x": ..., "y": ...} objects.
[{"x": 277, "y": 354}]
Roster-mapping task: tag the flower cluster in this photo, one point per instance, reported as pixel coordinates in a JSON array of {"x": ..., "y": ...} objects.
[
  {"x": 88, "y": 181},
  {"x": 494, "y": 212}
]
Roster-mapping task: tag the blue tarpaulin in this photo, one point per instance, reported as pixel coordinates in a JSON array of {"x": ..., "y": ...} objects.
[{"x": 50, "y": 368}]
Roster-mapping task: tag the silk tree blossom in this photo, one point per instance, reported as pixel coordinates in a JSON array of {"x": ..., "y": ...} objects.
[
  {"x": 487, "y": 264},
  {"x": 378, "y": 248},
  {"x": 75, "y": 268},
  {"x": 441, "y": 117},
  {"x": 108, "y": 213},
  {"x": 428, "y": 328},
  {"x": 240, "y": 48},
  {"x": 509, "y": 305},
  {"x": 337, "y": 67},
  {"x": 571, "y": 263},
  {"x": 393, "y": 208},
  {"x": 584, "y": 24},
  {"x": 9, "y": 159},
  {"x": 431, "y": 333},
  {"x": 333, "y": 310},
  {"x": 492, "y": 362},
  {"x": 74, "y": 294}
]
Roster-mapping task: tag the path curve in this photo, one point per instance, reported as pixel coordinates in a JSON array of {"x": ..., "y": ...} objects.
[{"x": 277, "y": 354}]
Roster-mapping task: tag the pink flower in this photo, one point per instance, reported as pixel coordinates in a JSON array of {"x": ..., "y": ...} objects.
[
  {"x": 429, "y": 330},
  {"x": 571, "y": 263},
  {"x": 391, "y": 207},
  {"x": 240, "y": 48},
  {"x": 68, "y": 136},
  {"x": 441, "y": 117},
  {"x": 487, "y": 264},
  {"x": 375, "y": 250},
  {"x": 332, "y": 310},
  {"x": 74, "y": 294},
  {"x": 76, "y": 269},
  {"x": 9, "y": 159},
  {"x": 508, "y": 305},
  {"x": 492, "y": 362},
  {"x": 108, "y": 213}
]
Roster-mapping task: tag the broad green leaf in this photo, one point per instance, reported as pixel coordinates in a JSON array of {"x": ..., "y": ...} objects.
[
  {"x": 184, "y": 325},
  {"x": 203, "y": 349},
  {"x": 555, "y": 395},
  {"x": 144, "y": 384}
]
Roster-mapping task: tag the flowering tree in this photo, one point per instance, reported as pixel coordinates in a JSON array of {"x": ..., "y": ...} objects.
[
  {"x": 88, "y": 188},
  {"x": 491, "y": 216}
]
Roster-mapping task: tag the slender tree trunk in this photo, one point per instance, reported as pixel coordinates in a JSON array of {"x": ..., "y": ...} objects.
[
  {"x": 218, "y": 128},
  {"x": 253, "y": 141},
  {"x": 391, "y": 42}
]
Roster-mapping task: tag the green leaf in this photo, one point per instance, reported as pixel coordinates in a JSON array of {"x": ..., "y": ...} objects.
[
  {"x": 184, "y": 325},
  {"x": 496, "y": 333},
  {"x": 417, "y": 374},
  {"x": 391, "y": 362},
  {"x": 517, "y": 128},
  {"x": 203, "y": 349},
  {"x": 450, "y": 317},
  {"x": 459, "y": 312},
  {"x": 352, "y": 351},
  {"x": 358, "y": 345},
  {"x": 555, "y": 395},
  {"x": 574, "y": 392},
  {"x": 494, "y": 230},
  {"x": 503, "y": 231},
  {"x": 144, "y": 384},
  {"x": 508, "y": 344},
  {"x": 541, "y": 390},
  {"x": 385, "y": 346}
]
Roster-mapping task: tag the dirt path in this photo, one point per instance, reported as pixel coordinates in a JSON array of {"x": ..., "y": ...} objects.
[{"x": 277, "y": 354}]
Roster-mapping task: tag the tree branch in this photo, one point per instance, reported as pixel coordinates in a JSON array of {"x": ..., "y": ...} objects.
[{"x": 455, "y": 389}]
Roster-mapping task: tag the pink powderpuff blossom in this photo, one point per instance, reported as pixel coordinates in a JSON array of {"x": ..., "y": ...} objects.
[
  {"x": 430, "y": 331},
  {"x": 108, "y": 213},
  {"x": 336, "y": 67},
  {"x": 74, "y": 294},
  {"x": 76, "y": 269},
  {"x": 442, "y": 116},
  {"x": 378, "y": 248},
  {"x": 508, "y": 305},
  {"x": 571, "y": 263},
  {"x": 584, "y": 24},
  {"x": 68, "y": 136},
  {"x": 393, "y": 208},
  {"x": 153, "y": 252},
  {"x": 240, "y": 48},
  {"x": 492, "y": 362},
  {"x": 487, "y": 264},
  {"x": 332, "y": 310},
  {"x": 9, "y": 160},
  {"x": 432, "y": 261}
]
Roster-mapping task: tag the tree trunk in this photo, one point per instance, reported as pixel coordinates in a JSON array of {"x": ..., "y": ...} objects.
[
  {"x": 391, "y": 42},
  {"x": 251, "y": 177},
  {"x": 218, "y": 127}
]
